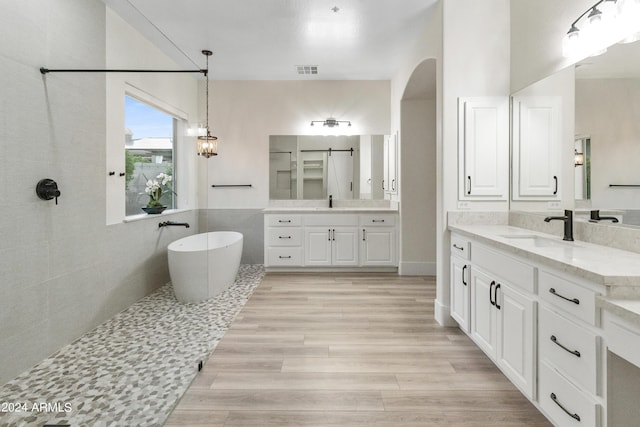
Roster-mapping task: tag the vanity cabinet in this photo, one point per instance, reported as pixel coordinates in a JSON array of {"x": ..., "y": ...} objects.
[
  {"x": 571, "y": 362},
  {"x": 460, "y": 278},
  {"x": 335, "y": 245},
  {"x": 378, "y": 242},
  {"x": 483, "y": 148},
  {"x": 283, "y": 240},
  {"x": 503, "y": 325},
  {"x": 537, "y": 147},
  {"x": 496, "y": 306},
  {"x": 331, "y": 240}
]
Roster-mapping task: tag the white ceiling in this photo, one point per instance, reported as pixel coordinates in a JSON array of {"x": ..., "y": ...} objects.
[{"x": 266, "y": 39}]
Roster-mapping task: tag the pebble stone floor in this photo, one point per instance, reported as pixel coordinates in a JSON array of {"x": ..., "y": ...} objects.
[{"x": 132, "y": 369}]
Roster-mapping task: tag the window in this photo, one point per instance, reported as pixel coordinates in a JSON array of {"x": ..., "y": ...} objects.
[{"x": 149, "y": 151}]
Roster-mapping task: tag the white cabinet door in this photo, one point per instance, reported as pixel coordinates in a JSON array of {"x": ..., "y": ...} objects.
[
  {"x": 378, "y": 246},
  {"x": 516, "y": 334},
  {"x": 390, "y": 184},
  {"x": 317, "y": 246},
  {"x": 460, "y": 297},
  {"x": 537, "y": 151},
  {"x": 344, "y": 248},
  {"x": 483, "y": 148},
  {"x": 483, "y": 313}
]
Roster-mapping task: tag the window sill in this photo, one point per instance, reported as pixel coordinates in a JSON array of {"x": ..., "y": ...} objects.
[{"x": 142, "y": 217}]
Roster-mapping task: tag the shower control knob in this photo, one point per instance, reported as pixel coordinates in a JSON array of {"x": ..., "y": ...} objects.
[{"x": 47, "y": 189}]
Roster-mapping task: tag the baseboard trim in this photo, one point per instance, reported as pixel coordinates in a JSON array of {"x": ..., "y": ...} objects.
[
  {"x": 442, "y": 316},
  {"x": 417, "y": 269}
]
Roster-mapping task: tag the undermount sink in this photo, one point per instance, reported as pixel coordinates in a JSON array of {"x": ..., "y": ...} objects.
[{"x": 538, "y": 241}]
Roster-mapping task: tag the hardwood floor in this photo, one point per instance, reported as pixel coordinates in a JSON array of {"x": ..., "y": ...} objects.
[{"x": 349, "y": 350}]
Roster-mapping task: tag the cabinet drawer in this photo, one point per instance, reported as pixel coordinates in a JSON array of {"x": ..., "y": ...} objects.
[
  {"x": 331, "y": 220},
  {"x": 460, "y": 247},
  {"x": 285, "y": 256},
  {"x": 570, "y": 297},
  {"x": 377, "y": 220},
  {"x": 564, "y": 403},
  {"x": 517, "y": 273},
  {"x": 569, "y": 347},
  {"x": 284, "y": 236},
  {"x": 283, "y": 220}
]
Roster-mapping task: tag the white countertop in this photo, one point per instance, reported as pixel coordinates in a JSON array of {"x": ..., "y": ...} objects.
[
  {"x": 600, "y": 264},
  {"x": 628, "y": 309},
  {"x": 326, "y": 209}
]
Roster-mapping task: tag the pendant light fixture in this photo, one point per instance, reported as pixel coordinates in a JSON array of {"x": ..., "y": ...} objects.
[{"x": 207, "y": 143}]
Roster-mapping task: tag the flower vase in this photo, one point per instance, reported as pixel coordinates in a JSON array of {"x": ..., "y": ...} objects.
[{"x": 154, "y": 209}]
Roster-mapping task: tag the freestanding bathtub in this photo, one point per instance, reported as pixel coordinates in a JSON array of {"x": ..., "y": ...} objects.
[{"x": 203, "y": 265}]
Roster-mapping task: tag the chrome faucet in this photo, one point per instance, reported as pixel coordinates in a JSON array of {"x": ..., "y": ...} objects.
[
  {"x": 330, "y": 201},
  {"x": 568, "y": 224}
]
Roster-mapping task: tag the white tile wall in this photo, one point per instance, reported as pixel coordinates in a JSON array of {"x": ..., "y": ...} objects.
[{"x": 62, "y": 270}]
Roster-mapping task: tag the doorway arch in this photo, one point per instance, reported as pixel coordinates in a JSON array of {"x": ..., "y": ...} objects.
[{"x": 418, "y": 171}]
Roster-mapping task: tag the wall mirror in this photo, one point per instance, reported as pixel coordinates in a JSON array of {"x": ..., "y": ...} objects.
[
  {"x": 606, "y": 134},
  {"x": 312, "y": 167},
  {"x": 607, "y": 108}
]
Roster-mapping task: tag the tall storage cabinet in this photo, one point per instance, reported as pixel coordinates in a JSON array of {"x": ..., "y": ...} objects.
[{"x": 483, "y": 148}]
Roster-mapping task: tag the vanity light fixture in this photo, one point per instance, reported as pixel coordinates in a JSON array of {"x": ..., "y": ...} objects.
[
  {"x": 207, "y": 143},
  {"x": 605, "y": 23},
  {"x": 330, "y": 122},
  {"x": 578, "y": 158}
]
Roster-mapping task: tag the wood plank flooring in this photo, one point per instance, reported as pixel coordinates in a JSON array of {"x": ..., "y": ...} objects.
[{"x": 349, "y": 350}]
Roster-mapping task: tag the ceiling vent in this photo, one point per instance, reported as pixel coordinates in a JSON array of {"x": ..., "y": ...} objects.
[{"x": 307, "y": 69}]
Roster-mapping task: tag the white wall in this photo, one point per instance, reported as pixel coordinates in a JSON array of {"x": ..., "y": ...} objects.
[
  {"x": 607, "y": 110},
  {"x": 418, "y": 177},
  {"x": 537, "y": 30},
  {"x": 62, "y": 270},
  {"x": 245, "y": 113},
  {"x": 476, "y": 57}
]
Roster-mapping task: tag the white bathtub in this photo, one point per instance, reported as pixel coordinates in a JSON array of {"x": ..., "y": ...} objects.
[{"x": 203, "y": 265}]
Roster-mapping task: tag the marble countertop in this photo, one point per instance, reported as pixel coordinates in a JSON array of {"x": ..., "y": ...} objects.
[
  {"x": 326, "y": 209},
  {"x": 600, "y": 264},
  {"x": 628, "y": 309}
]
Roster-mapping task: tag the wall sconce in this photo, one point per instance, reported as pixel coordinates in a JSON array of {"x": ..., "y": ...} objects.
[
  {"x": 330, "y": 122},
  {"x": 578, "y": 158},
  {"x": 605, "y": 23},
  {"x": 207, "y": 143}
]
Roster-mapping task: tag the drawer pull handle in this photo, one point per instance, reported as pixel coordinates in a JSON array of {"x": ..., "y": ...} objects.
[
  {"x": 460, "y": 248},
  {"x": 284, "y": 257},
  {"x": 495, "y": 297},
  {"x": 555, "y": 341},
  {"x": 364, "y": 235},
  {"x": 573, "y": 300},
  {"x": 491, "y": 300},
  {"x": 555, "y": 400},
  {"x": 377, "y": 220},
  {"x": 284, "y": 237},
  {"x": 284, "y": 220},
  {"x": 463, "y": 270}
]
